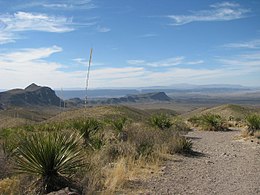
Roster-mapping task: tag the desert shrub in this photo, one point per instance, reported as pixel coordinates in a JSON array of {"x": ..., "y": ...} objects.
[
  {"x": 179, "y": 144},
  {"x": 144, "y": 141},
  {"x": 52, "y": 157},
  {"x": 118, "y": 124},
  {"x": 195, "y": 120},
  {"x": 89, "y": 128},
  {"x": 161, "y": 121},
  {"x": 112, "y": 152},
  {"x": 179, "y": 125},
  {"x": 209, "y": 122},
  {"x": 253, "y": 122}
]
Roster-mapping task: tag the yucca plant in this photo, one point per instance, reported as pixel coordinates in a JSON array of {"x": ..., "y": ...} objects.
[
  {"x": 253, "y": 122},
  {"x": 162, "y": 121},
  {"x": 52, "y": 157},
  {"x": 118, "y": 125},
  {"x": 88, "y": 128},
  {"x": 209, "y": 122}
]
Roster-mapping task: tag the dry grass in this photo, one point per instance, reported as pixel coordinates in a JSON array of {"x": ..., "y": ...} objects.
[
  {"x": 9, "y": 186},
  {"x": 116, "y": 176},
  {"x": 110, "y": 167}
]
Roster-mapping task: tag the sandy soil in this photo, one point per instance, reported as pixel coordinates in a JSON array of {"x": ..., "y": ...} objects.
[{"x": 223, "y": 165}]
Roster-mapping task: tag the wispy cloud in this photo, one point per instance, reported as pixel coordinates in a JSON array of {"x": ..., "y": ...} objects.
[
  {"x": 70, "y": 4},
  {"x": 57, "y": 4},
  {"x": 195, "y": 62},
  {"x": 254, "y": 44},
  {"x": 168, "y": 62},
  {"x": 224, "y": 11},
  {"x": 148, "y": 35},
  {"x": 103, "y": 29},
  {"x": 136, "y": 62},
  {"x": 85, "y": 62},
  {"x": 162, "y": 63},
  {"x": 245, "y": 61},
  {"x": 11, "y": 24}
]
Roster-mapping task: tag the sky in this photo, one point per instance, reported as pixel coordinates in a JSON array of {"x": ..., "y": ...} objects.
[{"x": 136, "y": 43}]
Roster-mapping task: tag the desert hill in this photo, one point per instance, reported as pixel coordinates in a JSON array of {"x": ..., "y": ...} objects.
[
  {"x": 226, "y": 111},
  {"x": 30, "y": 96}
]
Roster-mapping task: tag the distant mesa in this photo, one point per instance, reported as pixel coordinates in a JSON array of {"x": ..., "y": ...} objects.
[
  {"x": 33, "y": 95},
  {"x": 138, "y": 98}
]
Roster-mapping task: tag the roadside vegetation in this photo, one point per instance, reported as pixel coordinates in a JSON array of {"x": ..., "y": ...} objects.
[
  {"x": 209, "y": 122},
  {"x": 89, "y": 154},
  {"x": 253, "y": 126}
]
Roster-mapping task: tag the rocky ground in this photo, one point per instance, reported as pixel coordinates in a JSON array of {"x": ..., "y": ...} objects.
[{"x": 222, "y": 165}]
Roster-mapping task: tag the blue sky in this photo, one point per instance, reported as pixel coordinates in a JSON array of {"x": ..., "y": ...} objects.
[{"x": 136, "y": 43}]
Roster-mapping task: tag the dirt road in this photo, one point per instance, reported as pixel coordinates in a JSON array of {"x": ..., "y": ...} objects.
[{"x": 224, "y": 166}]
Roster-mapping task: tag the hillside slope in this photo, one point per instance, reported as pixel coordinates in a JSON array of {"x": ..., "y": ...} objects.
[{"x": 225, "y": 111}]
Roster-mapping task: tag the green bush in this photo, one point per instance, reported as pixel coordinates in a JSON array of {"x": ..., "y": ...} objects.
[
  {"x": 52, "y": 157},
  {"x": 209, "y": 122},
  {"x": 118, "y": 124},
  {"x": 253, "y": 122},
  {"x": 161, "y": 121},
  {"x": 88, "y": 128}
]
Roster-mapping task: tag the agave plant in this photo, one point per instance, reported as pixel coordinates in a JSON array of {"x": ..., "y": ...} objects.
[{"x": 52, "y": 157}]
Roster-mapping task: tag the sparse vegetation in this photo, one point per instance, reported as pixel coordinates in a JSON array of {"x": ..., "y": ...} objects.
[
  {"x": 253, "y": 126},
  {"x": 118, "y": 124},
  {"x": 161, "y": 121},
  {"x": 209, "y": 122},
  {"x": 88, "y": 128},
  {"x": 53, "y": 152},
  {"x": 253, "y": 122}
]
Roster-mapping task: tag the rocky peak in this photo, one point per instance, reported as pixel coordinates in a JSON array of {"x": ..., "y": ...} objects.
[{"x": 32, "y": 87}]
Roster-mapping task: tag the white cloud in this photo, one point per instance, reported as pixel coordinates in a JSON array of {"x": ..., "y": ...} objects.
[
  {"x": 24, "y": 66},
  {"x": 195, "y": 62},
  {"x": 136, "y": 62},
  {"x": 219, "y": 12},
  {"x": 162, "y": 63},
  {"x": 254, "y": 44},
  {"x": 85, "y": 62},
  {"x": 11, "y": 24},
  {"x": 57, "y": 4},
  {"x": 103, "y": 29},
  {"x": 245, "y": 61},
  {"x": 20, "y": 68},
  {"x": 168, "y": 62},
  {"x": 225, "y": 4},
  {"x": 26, "y": 55},
  {"x": 148, "y": 35}
]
